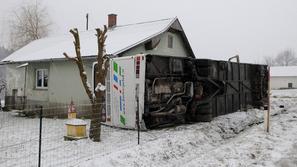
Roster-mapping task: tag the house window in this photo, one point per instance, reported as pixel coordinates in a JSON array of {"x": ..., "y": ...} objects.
[
  {"x": 170, "y": 41},
  {"x": 290, "y": 85},
  {"x": 41, "y": 78}
]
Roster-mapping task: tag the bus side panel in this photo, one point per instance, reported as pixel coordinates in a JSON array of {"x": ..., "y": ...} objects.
[
  {"x": 122, "y": 87},
  {"x": 140, "y": 81}
]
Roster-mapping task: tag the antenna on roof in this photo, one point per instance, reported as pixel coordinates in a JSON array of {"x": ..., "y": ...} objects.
[{"x": 87, "y": 23}]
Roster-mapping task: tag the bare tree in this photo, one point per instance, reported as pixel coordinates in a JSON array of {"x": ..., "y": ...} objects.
[
  {"x": 286, "y": 58},
  {"x": 30, "y": 22},
  {"x": 96, "y": 98},
  {"x": 268, "y": 60}
]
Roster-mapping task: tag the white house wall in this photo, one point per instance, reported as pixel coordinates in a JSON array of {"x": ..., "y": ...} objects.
[
  {"x": 15, "y": 79},
  {"x": 31, "y": 92},
  {"x": 64, "y": 82},
  {"x": 282, "y": 82},
  {"x": 178, "y": 49}
]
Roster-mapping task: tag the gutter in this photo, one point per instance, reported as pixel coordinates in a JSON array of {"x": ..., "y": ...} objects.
[{"x": 44, "y": 60}]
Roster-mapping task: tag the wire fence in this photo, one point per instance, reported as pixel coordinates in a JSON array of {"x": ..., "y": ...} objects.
[{"x": 36, "y": 136}]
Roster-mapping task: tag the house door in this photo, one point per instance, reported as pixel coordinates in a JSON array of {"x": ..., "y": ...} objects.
[{"x": 14, "y": 98}]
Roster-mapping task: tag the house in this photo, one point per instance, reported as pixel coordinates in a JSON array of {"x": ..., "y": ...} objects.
[
  {"x": 283, "y": 77},
  {"x": 3, "y": 53},
  {"x": 38, "y": 73}
]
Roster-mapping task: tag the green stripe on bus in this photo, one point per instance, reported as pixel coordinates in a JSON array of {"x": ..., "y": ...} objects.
[
  {"x": 123, "y": 119},
  {"x": 115, "y": 67}
]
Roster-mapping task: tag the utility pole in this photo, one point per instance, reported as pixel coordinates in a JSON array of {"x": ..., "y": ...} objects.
[
  {"x": 267, "y": 112},
  {"x": 87, "y": 23}
]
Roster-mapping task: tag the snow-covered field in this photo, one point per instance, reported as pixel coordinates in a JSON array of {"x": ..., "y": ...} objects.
[
  {"x": 236, "y": 139},
  {"x": 286, "y": 93}
]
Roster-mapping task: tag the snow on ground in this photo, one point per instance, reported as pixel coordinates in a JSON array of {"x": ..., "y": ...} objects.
[
  {"x": 285, "y": 93},
  {"x": 236, "y": 139},
  {"x": 255, "y": 147},
  {"x": 213, "y": 144}
]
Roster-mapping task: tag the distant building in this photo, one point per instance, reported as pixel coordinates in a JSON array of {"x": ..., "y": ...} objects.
[{"x": 283, "y": 77}]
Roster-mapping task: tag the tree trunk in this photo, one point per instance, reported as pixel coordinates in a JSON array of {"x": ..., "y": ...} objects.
[{"x": 95, "y": 127}]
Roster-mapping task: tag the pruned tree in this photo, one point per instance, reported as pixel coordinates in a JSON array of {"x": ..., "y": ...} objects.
[
  {"x": 29, "y": 22},
  {"x": 268, "y": 60},
  {"x": 96, "y": 98},
  {"x": 286, "y": 58}
]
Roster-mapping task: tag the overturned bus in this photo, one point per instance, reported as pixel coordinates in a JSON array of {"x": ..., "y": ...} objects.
[{"x": 151, "y": 91}]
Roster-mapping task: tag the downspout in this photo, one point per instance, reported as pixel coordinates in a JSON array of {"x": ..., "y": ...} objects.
[
  {"x": 25, "y": 84},
  {"x": 239, "y": 80}
]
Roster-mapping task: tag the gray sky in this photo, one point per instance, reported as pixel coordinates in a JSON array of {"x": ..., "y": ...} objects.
[{"x": 216, "y": 29}]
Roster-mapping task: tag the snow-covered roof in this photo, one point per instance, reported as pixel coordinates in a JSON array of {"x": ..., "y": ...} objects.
[
  {"x": 119, "y": 39},
  {"x": 283, "y": 71}
]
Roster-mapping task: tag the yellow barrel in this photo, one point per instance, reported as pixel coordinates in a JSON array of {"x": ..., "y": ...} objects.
[{"x": 76, "y": 129}]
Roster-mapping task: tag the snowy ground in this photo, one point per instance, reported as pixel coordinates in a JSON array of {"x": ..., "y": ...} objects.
[
  {"x": 236, "y": 139},
  {"x": 285, "y": 93}
]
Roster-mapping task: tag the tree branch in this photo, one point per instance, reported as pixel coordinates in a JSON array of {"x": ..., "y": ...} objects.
[
  {"x": 79, "y": 63},
  {"x": 70, "y": 58}
]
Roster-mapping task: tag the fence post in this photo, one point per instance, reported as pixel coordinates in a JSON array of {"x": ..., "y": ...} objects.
[
  {"x": 40, "y": 135},
  {"x": 138, "y": 129}
]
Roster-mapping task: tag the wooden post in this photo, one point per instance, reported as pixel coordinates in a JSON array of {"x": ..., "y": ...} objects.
[{"x": 267, "y": 112}]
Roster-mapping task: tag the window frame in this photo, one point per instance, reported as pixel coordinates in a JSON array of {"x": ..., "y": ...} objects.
[
  {"x": 290, "y": 84},
  {"x": 42, "y": 70},
  {"x": 170, "y": 40}
]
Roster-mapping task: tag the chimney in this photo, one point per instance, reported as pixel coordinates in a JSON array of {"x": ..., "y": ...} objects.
[{"x": 112, "y": 20}]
